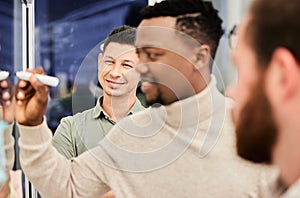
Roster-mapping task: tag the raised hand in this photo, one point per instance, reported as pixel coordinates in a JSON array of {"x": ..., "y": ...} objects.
[{"x": 31, "y": 100}]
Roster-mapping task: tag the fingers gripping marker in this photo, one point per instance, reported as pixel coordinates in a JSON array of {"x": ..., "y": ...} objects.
[{"x": 47, "y": 80}]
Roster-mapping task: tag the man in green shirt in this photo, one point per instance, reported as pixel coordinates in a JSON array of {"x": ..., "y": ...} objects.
[{"x": 119, "y": 81}]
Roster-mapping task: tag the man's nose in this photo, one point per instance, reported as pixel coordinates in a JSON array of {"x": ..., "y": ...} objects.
[
  {"x": 142, "y": 68},
  {"x": 231, "y": 91},
  {"x": 115, "y": 70}
]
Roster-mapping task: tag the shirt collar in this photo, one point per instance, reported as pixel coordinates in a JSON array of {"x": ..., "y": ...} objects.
[{"x": 98, "y": 111}]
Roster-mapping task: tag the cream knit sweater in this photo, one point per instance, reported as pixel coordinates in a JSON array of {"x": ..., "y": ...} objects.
[{"x": 186, "y": 149}]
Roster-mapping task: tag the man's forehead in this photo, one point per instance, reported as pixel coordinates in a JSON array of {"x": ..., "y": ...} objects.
[
  {"x": 155, "y": 36},
  {"x": 244, "y": 56},
  {"x": 242, "y": 28},
  {"x": 160, "y": 32},
  {"x": 155, "y": 31},
  {"x": 114, "y": 49},
  {"x": 166, "y": 21}
]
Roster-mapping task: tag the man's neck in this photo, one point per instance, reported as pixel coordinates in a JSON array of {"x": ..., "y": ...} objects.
[
  {"x": 287, "y": 157},
  {"x": 118, "y": 107},
  {"x": 203, "y": 80}
]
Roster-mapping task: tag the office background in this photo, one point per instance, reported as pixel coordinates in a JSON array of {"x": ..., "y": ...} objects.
[{"x": 68, "y": 35}]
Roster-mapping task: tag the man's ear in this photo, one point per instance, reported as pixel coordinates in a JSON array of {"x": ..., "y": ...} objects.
[
  {"x": 284, "y": 74},
  {"x": 100, "y": 57},
  {"x": 201, "y": 56}
]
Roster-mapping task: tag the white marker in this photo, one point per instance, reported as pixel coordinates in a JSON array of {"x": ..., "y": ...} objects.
[
  {"x": 3, "y": 75},
  {"x": 47, "y": 80}
]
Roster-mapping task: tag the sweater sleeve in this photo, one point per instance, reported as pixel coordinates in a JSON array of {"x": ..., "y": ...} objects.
[
  {"x": 8, "y": 149},
  {"x": 9, "y": 143},
  {"x": 51, "y": 173}
]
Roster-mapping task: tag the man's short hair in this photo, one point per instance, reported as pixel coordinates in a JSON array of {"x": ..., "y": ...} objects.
[
  {"x": 274, "y": 24},
  {"x": 123, "y": 35},
  {"x": 197, "y": 18}
]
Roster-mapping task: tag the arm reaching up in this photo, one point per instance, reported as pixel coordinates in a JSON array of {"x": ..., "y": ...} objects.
[
  {"x": 51, "y": 173},
  {"x": 32, "y": 98}
]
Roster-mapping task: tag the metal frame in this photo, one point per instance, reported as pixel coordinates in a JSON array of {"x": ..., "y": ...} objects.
[
  {"x": 28, "y": 61},
  {"x": 28, "y": 39}
]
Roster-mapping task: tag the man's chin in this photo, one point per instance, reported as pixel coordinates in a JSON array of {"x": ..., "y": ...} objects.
[
  {"x": 254, "y": 155},
  {"x": 256, "y": 131},
  {"x": 154, "y": 99},
  {"x": 154, "y": 103},
  {"x": 254, "y": 143}
]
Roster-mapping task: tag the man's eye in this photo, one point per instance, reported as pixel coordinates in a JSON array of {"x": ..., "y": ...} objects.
[
  {"x": 137, "y": 52},
  {"x": 153, "y": 56},
  {"x": 127, "y": 66},
  {"x": 108, "y": 62}
]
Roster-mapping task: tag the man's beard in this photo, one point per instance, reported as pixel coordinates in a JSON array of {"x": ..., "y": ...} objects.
[
  {"x": 157, "y": 102},
  {"x": 256, "y": 129}
]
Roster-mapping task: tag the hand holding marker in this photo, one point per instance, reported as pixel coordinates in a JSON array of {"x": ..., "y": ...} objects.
[{"x": 47, "y": 80}]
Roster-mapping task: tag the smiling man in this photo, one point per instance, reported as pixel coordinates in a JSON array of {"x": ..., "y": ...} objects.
[
  {"x": 267, "y": 58},
  {"x": 119, "y": 81},
  {"x": 76, "y": 134},
  {"x": 183, "y": 146}
]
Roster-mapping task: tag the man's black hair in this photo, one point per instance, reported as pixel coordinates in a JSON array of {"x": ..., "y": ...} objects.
[
  {"x": 124, "y": 35},
  {"x": 204, "y": 25}
]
